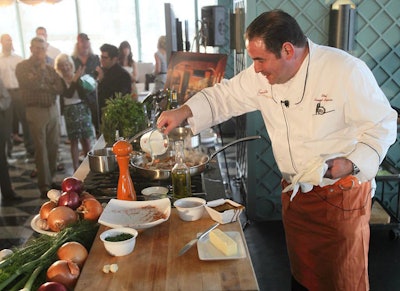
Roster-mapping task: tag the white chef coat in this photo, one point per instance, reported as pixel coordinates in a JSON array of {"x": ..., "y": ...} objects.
[{"x": 343, "y": 112}]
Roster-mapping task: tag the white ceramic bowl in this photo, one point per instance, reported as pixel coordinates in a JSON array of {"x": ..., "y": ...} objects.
[
  {"x": 135, "y": 214},
  {"x": 119, "y": 248},
  {"x": 190, "y": 208},
  {"x": 156, "y": 192}
]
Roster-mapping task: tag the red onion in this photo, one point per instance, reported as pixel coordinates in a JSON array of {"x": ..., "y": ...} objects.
[{"x": 70, "y": 199}]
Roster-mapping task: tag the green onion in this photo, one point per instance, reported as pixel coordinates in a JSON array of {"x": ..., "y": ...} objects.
[{"x": 27, "y": 264}]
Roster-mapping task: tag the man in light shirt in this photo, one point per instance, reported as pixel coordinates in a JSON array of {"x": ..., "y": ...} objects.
[
  {"x": 52, "y": 52},
  {"x": 8, "y": 64}
]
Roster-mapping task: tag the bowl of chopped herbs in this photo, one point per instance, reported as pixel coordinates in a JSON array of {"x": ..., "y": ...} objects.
[{"x": 119, "y": 241}]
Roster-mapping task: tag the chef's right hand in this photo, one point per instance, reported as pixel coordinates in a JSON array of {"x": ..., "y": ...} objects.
[{"x": 171, "y": 119}]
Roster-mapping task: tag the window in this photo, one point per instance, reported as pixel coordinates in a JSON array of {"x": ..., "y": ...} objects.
[{"x": 103, "y": 21}]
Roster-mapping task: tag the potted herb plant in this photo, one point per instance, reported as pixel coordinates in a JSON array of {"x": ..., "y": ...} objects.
[{"x": 124, "y": 114}]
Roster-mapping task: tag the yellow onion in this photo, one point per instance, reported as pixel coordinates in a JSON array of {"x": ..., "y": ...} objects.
[
  {"x": 73, "y": 251},
  {"x": 46, "y": 208},
  {"x": 85, "y": 195},
  {"x": 90, "y": 209},
  {"x": 63, "y": 272},
  {"x": 60, "y": 217}
]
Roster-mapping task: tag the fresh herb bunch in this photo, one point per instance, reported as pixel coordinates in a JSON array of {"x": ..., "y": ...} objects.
[
  {"x": 124, "y": 114},
  {"x": 26, "y": 268}
]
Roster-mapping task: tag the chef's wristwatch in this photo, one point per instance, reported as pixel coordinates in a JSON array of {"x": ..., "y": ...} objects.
[{"x": 356, "y": 170}]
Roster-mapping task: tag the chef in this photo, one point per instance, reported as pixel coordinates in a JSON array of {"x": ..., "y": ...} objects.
[{"x": 330, "y": 126}]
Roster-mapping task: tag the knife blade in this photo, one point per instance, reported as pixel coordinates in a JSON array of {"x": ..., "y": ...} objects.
[{"x": 193, "y": 241}]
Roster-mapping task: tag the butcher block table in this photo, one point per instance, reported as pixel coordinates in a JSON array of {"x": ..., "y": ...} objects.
[{"x": 154, "y": 264}]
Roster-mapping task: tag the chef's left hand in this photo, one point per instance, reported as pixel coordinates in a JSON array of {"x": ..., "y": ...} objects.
[{"x": 338, "y": 168}]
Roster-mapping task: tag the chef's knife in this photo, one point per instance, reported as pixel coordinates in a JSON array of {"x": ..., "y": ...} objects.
[{"x": 193, "y": 241}]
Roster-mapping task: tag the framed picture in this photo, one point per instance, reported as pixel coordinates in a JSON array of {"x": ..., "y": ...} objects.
[{"x": 189, "y": 72}]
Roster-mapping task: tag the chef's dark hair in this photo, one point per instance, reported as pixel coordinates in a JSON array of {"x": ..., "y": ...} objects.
[{"x": 276, "y": 27}]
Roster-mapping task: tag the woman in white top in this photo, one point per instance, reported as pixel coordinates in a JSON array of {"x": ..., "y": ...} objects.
[
  {"x": 76, "y": 112},
  {"x": 160, "y": 70},
  {"x": 126, "y": 61}
]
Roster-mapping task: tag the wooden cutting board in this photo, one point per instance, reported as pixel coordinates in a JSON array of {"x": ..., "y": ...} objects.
[{"x": 155, "y": 265}]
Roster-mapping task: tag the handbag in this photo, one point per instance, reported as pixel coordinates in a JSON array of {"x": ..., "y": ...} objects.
[{"x": 88, "y": 83}]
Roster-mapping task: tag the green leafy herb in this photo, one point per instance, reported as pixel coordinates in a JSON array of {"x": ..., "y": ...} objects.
[
  {"x": 119, "y": 237},
  {"x": 124, "y": 114}
]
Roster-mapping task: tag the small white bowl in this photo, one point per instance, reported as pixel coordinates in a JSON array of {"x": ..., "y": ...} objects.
[
  {"x": 156, "y": 192},
  {"x": 119, "y": 248},
  {"x": 190, "y": 208},
  {"x": 227, "y": 216}
]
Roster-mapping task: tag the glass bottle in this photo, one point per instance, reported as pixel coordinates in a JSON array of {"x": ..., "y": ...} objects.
[
  {"x": 174, "y": 99},
  {"x": 181, "y": 182},
  {"x": 169, "y": 98}
]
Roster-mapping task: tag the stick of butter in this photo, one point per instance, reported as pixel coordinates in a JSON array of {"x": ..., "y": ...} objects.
[{"x": 223, "y": 242}]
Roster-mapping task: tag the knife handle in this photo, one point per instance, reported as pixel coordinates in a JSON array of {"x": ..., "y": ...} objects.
[{"x": 208, "y": 230}]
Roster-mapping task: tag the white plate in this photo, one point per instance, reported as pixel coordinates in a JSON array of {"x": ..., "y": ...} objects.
[
  {"x": 207, "y": 251},
  {"x": 35, "y": 227},
  {"x": 208, "y": 136},
  {"x": 122, "y": 213}
]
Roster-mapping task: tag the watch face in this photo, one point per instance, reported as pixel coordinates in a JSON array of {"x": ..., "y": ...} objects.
[{"x": 356, "y": 170}]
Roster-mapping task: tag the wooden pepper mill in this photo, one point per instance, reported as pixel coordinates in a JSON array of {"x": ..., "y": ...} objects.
[{"x": 125, "y": 191}]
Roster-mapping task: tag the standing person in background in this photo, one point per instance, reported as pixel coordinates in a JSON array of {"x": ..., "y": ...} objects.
[
  {"x": 125, "y": 59},
  {"x": 52, "y": 52},
  {"x": 330, "y": 127},
  {"x": 76, "y": 112},
  {"x": 8, "y": 64},
  {"x": 83, "y": 56},
  {"x": 40, "y": 84},
  {"x": 160, "y": 69},
  {"x": 7, "y": 193},
  {"x": 112, "y": 77}
]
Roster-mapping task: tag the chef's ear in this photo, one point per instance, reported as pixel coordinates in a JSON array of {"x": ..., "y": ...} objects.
[{"x": 287, "y": 49}]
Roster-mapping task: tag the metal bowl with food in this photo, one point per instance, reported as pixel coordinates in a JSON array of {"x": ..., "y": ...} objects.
[{"x": 160, "y": 168}]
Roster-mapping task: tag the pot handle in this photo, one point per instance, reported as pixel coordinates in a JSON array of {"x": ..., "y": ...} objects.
[{"x": 247, "y": 138}]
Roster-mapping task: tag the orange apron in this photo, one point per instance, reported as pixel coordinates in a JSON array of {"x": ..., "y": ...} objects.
[{"x": 327, "y": 235}]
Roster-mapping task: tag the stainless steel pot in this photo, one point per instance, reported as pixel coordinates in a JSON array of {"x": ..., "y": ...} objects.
[
  {"x": 102, "y": 160},
  {"x": 138, "y": 161}
]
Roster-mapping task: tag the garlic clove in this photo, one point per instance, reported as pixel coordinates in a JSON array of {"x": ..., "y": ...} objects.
[{"x": 54, "y": 195}]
